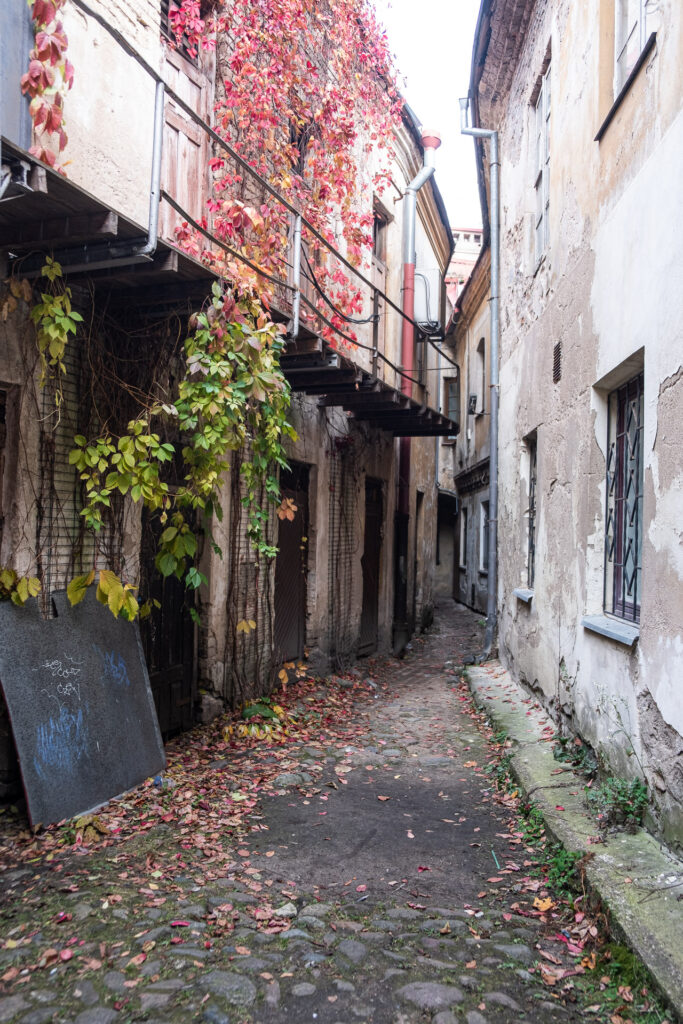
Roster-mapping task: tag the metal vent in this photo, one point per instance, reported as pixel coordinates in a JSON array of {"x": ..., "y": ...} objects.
[{"x": 557, "y": 362}]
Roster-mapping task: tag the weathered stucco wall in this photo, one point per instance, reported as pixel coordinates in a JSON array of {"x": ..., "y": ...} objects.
[{"x": 609, "y": 290}]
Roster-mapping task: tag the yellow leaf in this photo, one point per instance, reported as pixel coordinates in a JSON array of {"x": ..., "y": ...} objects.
[{"x": 543, "y": 904}]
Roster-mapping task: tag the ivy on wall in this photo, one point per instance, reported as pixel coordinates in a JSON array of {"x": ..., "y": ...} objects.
[
  {"x": 49, "y": 77},
  {"x": 306, "y": 93}
]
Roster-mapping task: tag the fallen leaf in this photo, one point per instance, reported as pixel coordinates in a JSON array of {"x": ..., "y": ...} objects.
[
  {"x": 383, "y": 798},
  {"x": 471, "y": 964},
  {"x": 544, "y": 904}
]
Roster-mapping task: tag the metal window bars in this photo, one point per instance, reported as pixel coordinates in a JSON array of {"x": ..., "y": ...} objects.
[
  {"x": 624, "y": 501},
  {"x": 531, "y": 516}
]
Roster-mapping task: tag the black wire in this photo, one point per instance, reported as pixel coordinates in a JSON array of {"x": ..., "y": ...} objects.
[{"x": 348, "y": 319}]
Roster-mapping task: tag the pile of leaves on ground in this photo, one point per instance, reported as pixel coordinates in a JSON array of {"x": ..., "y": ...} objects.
[{"x": 215, "y": 776}]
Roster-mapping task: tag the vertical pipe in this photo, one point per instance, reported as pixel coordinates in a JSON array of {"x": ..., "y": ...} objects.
[
  {"x": 492, "y": 580},
  {"x": 296, "y": 268},
  {"x": 430, "y": 142},
  {"x": 149, "y": 248}
]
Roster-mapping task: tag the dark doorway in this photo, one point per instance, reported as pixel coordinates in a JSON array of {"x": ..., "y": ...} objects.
[
  {"x": 168, "y": 640},
  {"x": 290, "y": 568},
  {"x": 370, "y": 563}
]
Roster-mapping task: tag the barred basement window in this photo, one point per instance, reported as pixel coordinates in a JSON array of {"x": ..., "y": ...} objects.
[
  {"x": 531, "y": 515},
  {"x": 624, "y": 511}
]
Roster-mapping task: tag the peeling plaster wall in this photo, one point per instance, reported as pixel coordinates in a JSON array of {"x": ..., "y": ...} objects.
[
  {"x": 112, "y": 92},
  {"x": 610, "y": 290}
]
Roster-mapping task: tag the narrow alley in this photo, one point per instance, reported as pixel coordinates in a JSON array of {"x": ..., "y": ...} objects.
[{"x": 366, "y": 869}]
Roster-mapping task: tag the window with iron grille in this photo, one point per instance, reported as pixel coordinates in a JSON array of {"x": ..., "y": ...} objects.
[
  {"x": 542, "y": 161},
  {"x": 531, "y": 515},
  {"x": 463, "y": 538},
  {"x": 624, "y": 511}
]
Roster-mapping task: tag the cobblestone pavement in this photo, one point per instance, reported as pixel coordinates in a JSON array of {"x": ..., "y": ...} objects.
[{"x": 381, "y": 856}]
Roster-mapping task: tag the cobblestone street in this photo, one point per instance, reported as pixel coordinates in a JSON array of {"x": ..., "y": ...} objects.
[{"x": 392, "y": 861}]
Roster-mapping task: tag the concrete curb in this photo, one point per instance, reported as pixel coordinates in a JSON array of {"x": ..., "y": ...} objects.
[{"x": 645, "y": 912}]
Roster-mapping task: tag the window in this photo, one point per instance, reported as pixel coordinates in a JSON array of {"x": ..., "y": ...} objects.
[
  {"x": 630, "y": 36},
  {"x": 531, "y": 514},
  {"x": 542, "y": 165},
  {"x": 379, "y": 235},
  {"x": 484, "y": 537},
  {"x": 624, "y": 507},
  {"x": 463, "y": 538},
  {"x": 451, "y": 399},
  {"x": 481, "y": 377},
  {"x": 183, "y": 47}
]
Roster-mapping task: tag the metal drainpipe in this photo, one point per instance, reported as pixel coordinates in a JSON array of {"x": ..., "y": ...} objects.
[
  {"x": 149, "y": 248},
  {"x": 296, "y": 275},
  {"x": 492, "y": 581},
  {"x": 431, "y": 142}
]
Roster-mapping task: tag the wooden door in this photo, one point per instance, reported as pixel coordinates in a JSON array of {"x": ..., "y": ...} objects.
[
  {"x": 186, "y": 151},
  {"x": 370, "y": 563},
  {"x": 290, "y": 569}
]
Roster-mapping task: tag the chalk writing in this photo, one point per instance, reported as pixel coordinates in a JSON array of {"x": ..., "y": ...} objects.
[
  {"x": 60, "y": 742},
  {"x": 114, "y": 666}
]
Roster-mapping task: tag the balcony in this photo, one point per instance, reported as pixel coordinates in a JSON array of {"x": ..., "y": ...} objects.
[{"x": 347, "y": 362}]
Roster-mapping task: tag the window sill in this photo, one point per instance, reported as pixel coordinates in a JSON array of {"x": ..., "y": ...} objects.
[
  {"x": 644, "y": 54},
  {"x": 614, "y": 629},
  {"x": 483, "y": 572},
  {"x": 524, "y": 595}
]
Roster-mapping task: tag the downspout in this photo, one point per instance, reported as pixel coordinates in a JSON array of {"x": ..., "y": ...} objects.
[
  {"x": 431, "y": 142},
  {"x": 150, "y": 247},
  {"x": 492, "y": 581}
]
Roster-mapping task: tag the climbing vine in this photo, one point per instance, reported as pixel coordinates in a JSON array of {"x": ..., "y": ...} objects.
[
  {"x": 308, "y": 100},
  {"x": 232, "y": 396},
  {"x": 48, "y": 79}
]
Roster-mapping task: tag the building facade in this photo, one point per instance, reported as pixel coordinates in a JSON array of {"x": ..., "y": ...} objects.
[
  {"x": 587, "y": 100},
  {"x": 330, "y": 594}
]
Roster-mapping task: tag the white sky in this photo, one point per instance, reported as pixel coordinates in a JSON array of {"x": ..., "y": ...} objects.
[{"x": 432, "y": 41}]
